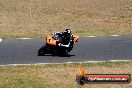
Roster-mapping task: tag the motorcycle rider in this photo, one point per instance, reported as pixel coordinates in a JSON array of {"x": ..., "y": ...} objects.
[{"x": 65, "y": 36}]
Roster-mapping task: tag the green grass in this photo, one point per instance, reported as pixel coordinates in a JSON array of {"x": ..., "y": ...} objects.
[
  {"x": 37, "y": 18},
  {"x": 59, "y": 75}
]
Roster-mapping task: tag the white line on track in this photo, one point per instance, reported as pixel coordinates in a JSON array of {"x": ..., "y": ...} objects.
[
  {"x": 96, "y": 36},
  {"x": 0, "y": 39},
  {"x": 119, "y": 60},
  {"x": 114, "y": 35},
  {"x": 84, "y": 36},
  {"x": 23, "y": 38},
  {"x": 67, "y": 63},
  {"x": 90, "y": 36}
]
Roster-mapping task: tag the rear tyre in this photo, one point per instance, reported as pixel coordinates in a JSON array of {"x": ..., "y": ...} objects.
[{"x": 42, "y": 50}]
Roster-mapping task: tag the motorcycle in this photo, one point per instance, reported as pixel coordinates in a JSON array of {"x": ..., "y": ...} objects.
[{"x": 56, "y": 45}]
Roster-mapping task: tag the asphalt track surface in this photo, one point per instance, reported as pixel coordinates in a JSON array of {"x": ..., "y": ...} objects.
[{"x": 24, "y": 51}]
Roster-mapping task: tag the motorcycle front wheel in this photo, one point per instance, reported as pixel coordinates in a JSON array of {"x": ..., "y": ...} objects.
[{"x": 42, "y": 50}]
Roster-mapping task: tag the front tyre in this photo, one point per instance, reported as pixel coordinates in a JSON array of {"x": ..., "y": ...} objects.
[
  {"x": 42, "y": 50},
  {"x": 70, "y": 48},
  {"x": 64, "y": 53}
]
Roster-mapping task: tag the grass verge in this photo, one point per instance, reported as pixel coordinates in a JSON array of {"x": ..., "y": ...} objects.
[
  {"x": 59, "y": 75},
  {"x": 37, "y": 18}
]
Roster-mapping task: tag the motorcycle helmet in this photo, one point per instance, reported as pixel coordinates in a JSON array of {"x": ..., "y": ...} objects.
[{"x": 68, "y": 31}]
